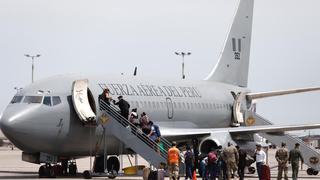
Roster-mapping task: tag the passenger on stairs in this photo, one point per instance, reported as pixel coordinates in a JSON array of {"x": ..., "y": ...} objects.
[
  {"x": 133, "y": 117},
  {"x": 144, "y": 123},
  {"x": 105, "y": 96},
  {"x": 154, "y": 135},
  {"x": 124, "y": 107}
]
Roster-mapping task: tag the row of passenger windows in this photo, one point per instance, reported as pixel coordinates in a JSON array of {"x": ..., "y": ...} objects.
[
  {"x": 179, "y": 105},
  {"x": 46, "y": 100}
]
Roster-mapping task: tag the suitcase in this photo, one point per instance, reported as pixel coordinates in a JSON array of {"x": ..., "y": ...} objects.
[
  {"x": 161, "y": 174},
  {"x": 265, "y": 172},
  {"x": 153, "y": 175},
  {"x": 146, "y": 172}
]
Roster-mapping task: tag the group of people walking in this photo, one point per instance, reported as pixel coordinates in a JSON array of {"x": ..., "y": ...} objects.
[{"x": 230, "y": 162}]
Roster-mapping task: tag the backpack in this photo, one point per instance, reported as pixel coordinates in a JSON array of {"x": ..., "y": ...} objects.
[
  {"x": 188, "y": 157},
  {"x": 212, "y": 157}
]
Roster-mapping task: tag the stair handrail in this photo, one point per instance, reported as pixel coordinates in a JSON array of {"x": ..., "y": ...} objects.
[
  {"x": 125, "y": 123},
  {"x": 163, "y": 140}
]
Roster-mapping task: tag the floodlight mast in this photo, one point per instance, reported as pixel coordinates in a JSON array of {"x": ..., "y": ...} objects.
[
  {"x": 32, "y": 68},
  {"x": 182, "y": 54}
]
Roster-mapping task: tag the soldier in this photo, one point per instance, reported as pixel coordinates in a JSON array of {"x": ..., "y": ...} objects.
[
  {"x": 231, "y": 157},
  {"x": 282, "y": 156},
  {"x": 294, "y": 157}
]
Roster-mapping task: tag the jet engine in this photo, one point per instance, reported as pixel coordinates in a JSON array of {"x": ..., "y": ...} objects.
[{"x": 213, "y": 141}]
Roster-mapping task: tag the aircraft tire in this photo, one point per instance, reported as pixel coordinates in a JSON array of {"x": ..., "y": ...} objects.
[
  {"x": 315, "y": 172},
  {"x": 113, "y": 163},
  {"x": 87, "y": 174},
  {"x": 51, "y": 172},
  {"x": 73, "y": 169},
  {"x": 42, "y": 171},
  {"x": 310, "y": 171}
]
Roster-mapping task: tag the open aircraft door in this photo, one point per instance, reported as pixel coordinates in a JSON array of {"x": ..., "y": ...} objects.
[{"x": 83, "y": 101}]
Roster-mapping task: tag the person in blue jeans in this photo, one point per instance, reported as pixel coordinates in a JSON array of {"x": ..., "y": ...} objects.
[
  {"x": 189, "y": 160},
  {"x": 260, "y": 156}
]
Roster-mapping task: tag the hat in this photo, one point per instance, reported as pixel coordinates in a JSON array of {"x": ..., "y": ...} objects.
[
  {"x": 258, "y": 145},
  {"x": 174, "y": 143}
]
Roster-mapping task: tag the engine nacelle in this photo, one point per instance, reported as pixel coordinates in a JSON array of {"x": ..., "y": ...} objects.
[{"x": 213, "y": 141}]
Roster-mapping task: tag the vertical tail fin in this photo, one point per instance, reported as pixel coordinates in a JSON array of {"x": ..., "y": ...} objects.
[{"x": 233, "y": 64}]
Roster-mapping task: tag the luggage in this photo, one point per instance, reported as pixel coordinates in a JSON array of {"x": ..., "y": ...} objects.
[
  {"x": 153, "y": 175},
  {"x": 146, "y": 172},
  {"x": 265, "y": 172},
  {"x": 161, "y": 174}
]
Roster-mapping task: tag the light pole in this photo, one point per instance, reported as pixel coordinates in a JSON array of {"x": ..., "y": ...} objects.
[
  {"x": 32, "y": 58},
  {"x": 182, "y": 54}
]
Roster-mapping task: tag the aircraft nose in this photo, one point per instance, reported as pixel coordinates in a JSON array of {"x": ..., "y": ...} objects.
[{"x": 12, "y": 122}]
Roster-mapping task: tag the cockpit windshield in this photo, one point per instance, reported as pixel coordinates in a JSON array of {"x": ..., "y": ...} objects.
[
  {"x": 16, "y": 99},
  {"x": 33, "y": 99}
]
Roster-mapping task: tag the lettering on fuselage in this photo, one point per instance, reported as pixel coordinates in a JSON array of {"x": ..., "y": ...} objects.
[{"x": 151, "y": 90}]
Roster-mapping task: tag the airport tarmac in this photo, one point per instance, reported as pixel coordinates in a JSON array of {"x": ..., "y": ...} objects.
[{"x": 12, "y": 167}]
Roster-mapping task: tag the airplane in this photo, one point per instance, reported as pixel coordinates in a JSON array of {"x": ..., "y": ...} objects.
[{"x": 48, "y": 119}]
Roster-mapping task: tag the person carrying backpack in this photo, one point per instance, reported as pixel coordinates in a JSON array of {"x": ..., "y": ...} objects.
[
  {"x": 212, "y": 164},
  {"x": 189, "y": 160}
]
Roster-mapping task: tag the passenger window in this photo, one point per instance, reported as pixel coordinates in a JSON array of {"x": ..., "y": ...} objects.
[
  {"x": 16, "y": 99},
  {"x": 33, "y": 99},
  {"x": 47, "y": 100},
  {"x": 56, "y": 100}
]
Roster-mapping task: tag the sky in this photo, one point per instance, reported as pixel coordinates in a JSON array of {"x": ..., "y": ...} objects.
[{"x": 114, "y": 36}]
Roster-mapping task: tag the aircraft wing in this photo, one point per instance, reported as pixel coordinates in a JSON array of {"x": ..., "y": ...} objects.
[{"x": 198, "y": 132}]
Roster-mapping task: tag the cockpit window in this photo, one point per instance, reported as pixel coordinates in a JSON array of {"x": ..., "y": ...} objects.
[
  {"x": 16, "y": 99},
  {"x": 47, "y": 100},
  {"x": 56, "y": 100},
  {"x": 33, "y": 99}
]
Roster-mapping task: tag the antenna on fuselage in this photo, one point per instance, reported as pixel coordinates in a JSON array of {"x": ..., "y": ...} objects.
[{"x": 135, "y": 71}]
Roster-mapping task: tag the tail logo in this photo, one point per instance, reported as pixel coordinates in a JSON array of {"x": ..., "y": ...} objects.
[{"x": 236, "y": 48}]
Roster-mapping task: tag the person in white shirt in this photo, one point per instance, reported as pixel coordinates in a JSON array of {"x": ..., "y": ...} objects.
[{"x": 260, "y": 160}]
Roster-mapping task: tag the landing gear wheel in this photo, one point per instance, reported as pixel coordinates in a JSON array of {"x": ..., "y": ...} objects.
[
  {"x": 72, "y": 169},
  {"x": 113, "y": 164},
  {"x": 112, "y": 174},
  {"x": 310, "y": 171},
  {"x": 51, "y": 172},
  {"x": 87, "y": 174},
  {"x": 42, "y": 171},
  {"x": 315, "y": 172},
  {"x": 251, "y": 170}
]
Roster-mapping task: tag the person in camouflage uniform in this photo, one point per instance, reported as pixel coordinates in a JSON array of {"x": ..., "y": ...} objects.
[
  {"x": 231, "y": 157},
  {"x": 294, "y": 157},
  {"x": 282, "y": 157}
]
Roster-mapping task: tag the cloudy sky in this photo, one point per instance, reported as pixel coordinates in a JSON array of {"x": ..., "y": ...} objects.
[{"x": 114, "y": 36}]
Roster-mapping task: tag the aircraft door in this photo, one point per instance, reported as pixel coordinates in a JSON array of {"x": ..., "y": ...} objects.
[
  {"x": 83, "y": 101},
  {"x": 169, "y": 107}
]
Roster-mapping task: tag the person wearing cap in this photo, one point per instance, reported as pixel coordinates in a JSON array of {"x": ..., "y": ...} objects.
[
  {"x": 261, "y": 158},
  {"x": 173, "y": 161},
  {"x": 124, "y": 107},
  {"x": 294, "y": 157},
  {"x": 282, "y": 157}
]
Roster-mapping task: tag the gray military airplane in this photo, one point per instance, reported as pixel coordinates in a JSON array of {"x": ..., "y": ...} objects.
[{"x": 49, "y": 120}]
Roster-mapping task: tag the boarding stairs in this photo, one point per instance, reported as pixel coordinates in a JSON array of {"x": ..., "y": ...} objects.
[
  {"x": 310, "y": 155},
  {"x": 133, "y": 137}
]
